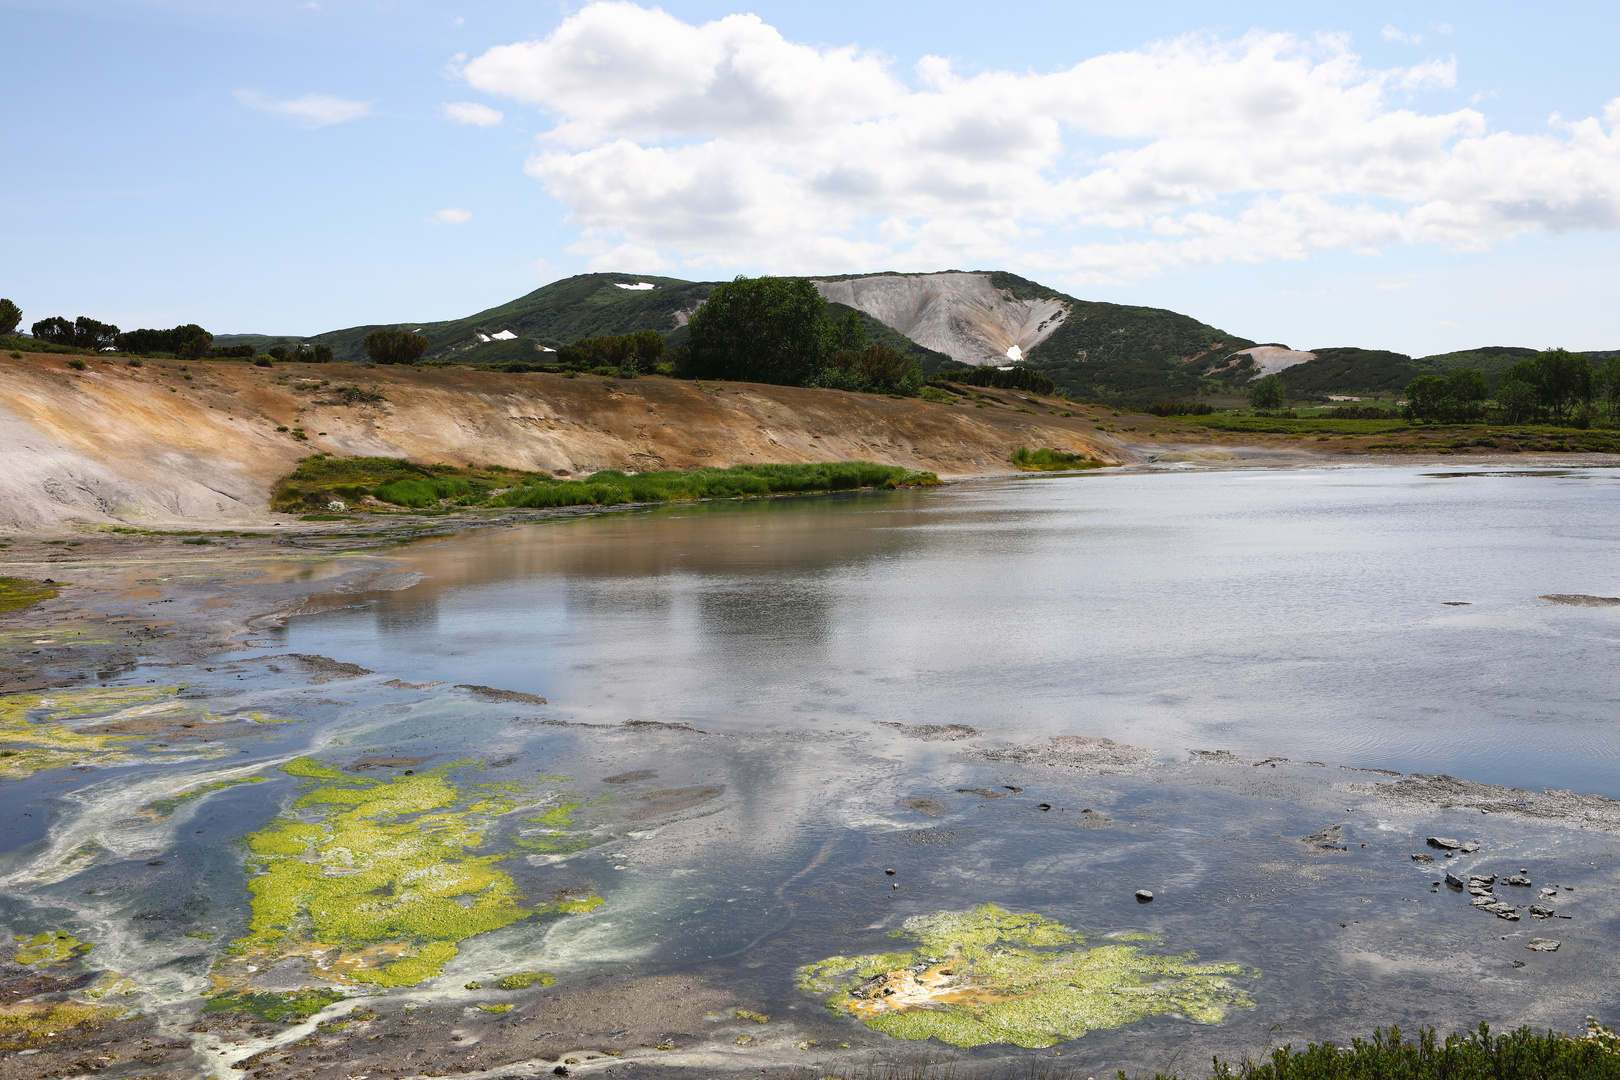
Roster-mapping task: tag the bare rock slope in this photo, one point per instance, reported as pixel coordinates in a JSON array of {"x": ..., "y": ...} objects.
[
  {"x": 162, "y": 444},
  {"x": 962, "y": 315}
]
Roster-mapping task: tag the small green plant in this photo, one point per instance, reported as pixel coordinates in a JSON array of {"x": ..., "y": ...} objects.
[
  {"x": 298, "y": 433},
  {"x": 262, "y": 361},
  {"x": 134, "y": 361},
  {"x": 1048, "y": 460},
  {"x": 199, "y": 540},
  {"x": 283, "y": 427},
  {"x": 77, "y": 365},
  {"x": 934, "y": 393}
]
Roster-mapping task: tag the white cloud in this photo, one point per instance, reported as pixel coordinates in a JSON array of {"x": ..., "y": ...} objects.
[
  {"x": 451, "y": 216},
  {"x": 726, "y": 145},
  {"x": 1391, "y": 33},
  {"x": 311, "y": 110},
  {"x": 470, "y": 112}
]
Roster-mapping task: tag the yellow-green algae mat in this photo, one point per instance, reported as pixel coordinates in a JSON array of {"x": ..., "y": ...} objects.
[
  {"x": 376, "y": 881},
  {"x": 993, "y": 976},
  {"x": 36, "y": 732}
]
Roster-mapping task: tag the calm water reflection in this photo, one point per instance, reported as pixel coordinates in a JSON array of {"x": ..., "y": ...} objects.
[{"x": 1300, "y": 613}]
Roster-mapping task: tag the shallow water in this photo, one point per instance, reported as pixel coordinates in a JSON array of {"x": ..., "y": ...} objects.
[
  {"x": 1293, "y": 613},
  {"x": 718, "y": 677}
]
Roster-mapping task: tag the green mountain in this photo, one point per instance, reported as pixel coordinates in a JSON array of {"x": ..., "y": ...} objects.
[
  {"x": 1116, "y": 353},
  {"x": 583, "y": 306}
]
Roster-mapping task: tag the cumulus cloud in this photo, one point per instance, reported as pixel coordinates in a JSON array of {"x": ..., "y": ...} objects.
[
  {"x": 311, "y": 110},
  {"x": 470, "y": 112},
  {"x": 726, "y": 144},
  {"x": 451, "y": 216}
]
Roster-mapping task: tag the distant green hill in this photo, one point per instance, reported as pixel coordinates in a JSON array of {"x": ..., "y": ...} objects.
[
  {"x": 1352, "y": 371},
  {"x": 1491, "y": 360},
  {"x": 1111, "y": 352},
  {"x": 586, "y": 305}
]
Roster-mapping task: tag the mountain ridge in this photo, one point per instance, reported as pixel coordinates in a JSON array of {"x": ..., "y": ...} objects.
[{"x": 1095, "y": 350}]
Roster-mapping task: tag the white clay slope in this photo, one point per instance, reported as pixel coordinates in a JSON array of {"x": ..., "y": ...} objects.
[{"x": 962, "y": 315}]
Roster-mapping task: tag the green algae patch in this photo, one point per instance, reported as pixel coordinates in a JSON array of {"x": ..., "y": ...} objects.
[
  {"x": 39, "y": 732},
  {"x": 32, "y": 1025},
  {"x": 272, "y": 1006},
  {"x": 164, "y": 807},
  {"x": 50, "y": 947},
  {"x": 994, "y": 976},
  {"x": 503, "y": 1007},
  {"x": 18, "y": 593},
  {"x": 525, "y": 979},
  {"x": 375, "y": 881}
]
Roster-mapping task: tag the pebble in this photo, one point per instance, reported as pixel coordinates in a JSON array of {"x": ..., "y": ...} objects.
[
  {"x": 1444, "y": 843},
  {"x": 1541, "y": 911},
  {"x": 1423, "y": 858},
  {"x": 1143, "y": 896},
  {"x": 1541, "y": 944},
  {"x": 1520, "y": 880}
]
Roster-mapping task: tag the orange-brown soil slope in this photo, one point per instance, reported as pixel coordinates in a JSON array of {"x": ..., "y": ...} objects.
[{"x": 200, "y": 444}]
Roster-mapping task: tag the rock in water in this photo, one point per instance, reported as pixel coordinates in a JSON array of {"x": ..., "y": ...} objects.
[
  {"x": 1519, "y": 880},
  {"x": 1143, "y": 896},
  {"x": 1423, "y": 858},
  {"x": 1444, "y": 843},
  {"x": 1541, "y": 944},
  {"x": 1470, "y": 847}
]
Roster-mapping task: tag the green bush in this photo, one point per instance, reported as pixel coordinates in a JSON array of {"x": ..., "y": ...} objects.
[
  {"x": 77, "y": 365},
  {"x": 417, "y": 494},
  {"x": 1047, "y": 460}
]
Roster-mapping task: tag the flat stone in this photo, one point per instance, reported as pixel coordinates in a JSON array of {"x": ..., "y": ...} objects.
[
  {"x": 1541, "y": 944},
  {"x": 1483, "y": 901},
  {"x": 1143, "y": 896},
  {"x": 1541, "y": 911},
  {"x": 1519, "y": 880},
  {"x": 1454, "y": 881},
  {"x": 1470, "y": 847},
  {"x": 1423, "y": 858},
  {"x": 1444, "y": 843}
]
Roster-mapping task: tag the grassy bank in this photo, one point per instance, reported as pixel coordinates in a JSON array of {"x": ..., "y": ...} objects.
[
  {"x": 322, "y": 483},
  {"x": 1409, "y": 437},
  {"x": 1049, "y": 460}
]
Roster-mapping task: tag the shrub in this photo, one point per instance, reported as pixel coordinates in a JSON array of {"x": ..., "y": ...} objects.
[
  {"x": 262, "y": 361},
  {"x": 77, "y": 364},
  {"x": 1047, "y": 460},
  {"x": 1179, "y": 408},
  {"x": 934, "y": 393},
  {"x": 1015, "y": 378},
  {"x": 875, "y": 369},
  {"x": 395, "y": 347}
]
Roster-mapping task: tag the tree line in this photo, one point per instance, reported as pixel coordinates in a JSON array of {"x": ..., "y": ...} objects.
[{"x": 1555, "y": 385}]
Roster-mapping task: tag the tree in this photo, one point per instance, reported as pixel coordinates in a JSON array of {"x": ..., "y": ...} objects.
[
  {"x": 10, "y": 316},
  {"x": 1267, "y": 393},
  {"x": 188, "y": 342},
  {"x": 323, "y": 354},
  {"x": 1428, "y": 397},
  {"x": 1516, "y": 396},
  {"x": 1468, "y": 390},
  {"x": 847, "y": 333},
  {"x": 56, "y": 330},
  {"x": 875, "y": 369},
  {"x": 766, "y": 329},
  {"x": 90, "y": 334},
  {"x": 395, "y": 347},
  {"x": 1606, "y": 382},
  {"x": 1564, "y": 378}
]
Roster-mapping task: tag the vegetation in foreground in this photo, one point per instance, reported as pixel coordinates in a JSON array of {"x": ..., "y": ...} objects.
[
  {"x": 1478, "y": 1055},
  {"x": 330, "y": 483}
]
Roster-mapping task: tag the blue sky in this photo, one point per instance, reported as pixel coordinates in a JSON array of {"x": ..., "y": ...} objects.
[{"x": 1389, "y": 177}]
